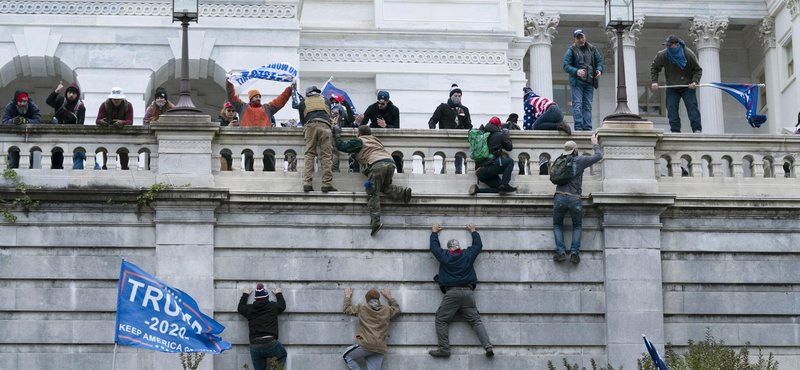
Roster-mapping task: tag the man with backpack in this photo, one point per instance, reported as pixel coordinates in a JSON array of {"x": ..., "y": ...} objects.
[
  {"x": 567, "y": 174},
  {"x": 486, "y": 146}
]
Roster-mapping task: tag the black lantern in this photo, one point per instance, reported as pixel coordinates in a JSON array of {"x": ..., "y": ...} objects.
[
  {"x": 619, "y": 15},
  {"x": 185, "y": 11}
]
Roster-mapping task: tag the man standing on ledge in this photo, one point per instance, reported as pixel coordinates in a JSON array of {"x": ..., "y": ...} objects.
[
  {"x": 680, "y": 68},
  {"x": 584, "y": 65},
  {"x": 457, "y": 280}
]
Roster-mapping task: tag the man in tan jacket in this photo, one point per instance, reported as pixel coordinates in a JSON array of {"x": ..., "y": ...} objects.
[{"x": 373, "y": 328}]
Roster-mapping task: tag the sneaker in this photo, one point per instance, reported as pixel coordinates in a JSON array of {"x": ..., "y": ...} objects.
[
  {"x": 563, "y": 126},
  {"x": 308, "y": 188},
  {"x": 375, "y": 229},
  {"x": 326, "y": 189},
  {"x": 407, "y": 196},
  {"x": 474, "y": 189},
  {"x": 560, "y": 257},
  {"x": 506, "y": 188},
  {"x": 575, "y": 258},
  {"x": 489, "y": 352},
  {"x": 438, "y": 353}
]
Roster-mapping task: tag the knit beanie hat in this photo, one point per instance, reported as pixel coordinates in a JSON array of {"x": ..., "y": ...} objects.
[
  {"x": 513, "y": 117},
  {"x": 252, "y": 93},
  {"x": 261, "y": 293},
  {"x": 372, "y": 294},
  {"x": 22, "y": 97},
  {"x": 161, "y": 93},
  {"x": 526, "y": 91},
  {"x": 228, "y": 104},
  {"x": 495, "y": 121},
  {"x": 455, "y": 89}
]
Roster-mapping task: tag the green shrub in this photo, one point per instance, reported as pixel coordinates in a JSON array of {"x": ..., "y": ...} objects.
[{"x": 567, "y": 366}]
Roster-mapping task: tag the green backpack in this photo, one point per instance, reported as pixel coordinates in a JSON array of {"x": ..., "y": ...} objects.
[{"x": 478, "y": 147}]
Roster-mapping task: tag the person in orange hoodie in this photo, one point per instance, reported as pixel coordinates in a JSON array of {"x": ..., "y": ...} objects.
[{"x": 253, "y": 113}]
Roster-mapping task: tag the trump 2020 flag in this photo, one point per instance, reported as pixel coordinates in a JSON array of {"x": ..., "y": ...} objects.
[
  {"x": 329, "y": 90},
  {"x": 657, "y": 360},
  {"x": 747, "y": 95},
  {"x": 281, "y": 72},
  {"x": 153, "y": 315}
]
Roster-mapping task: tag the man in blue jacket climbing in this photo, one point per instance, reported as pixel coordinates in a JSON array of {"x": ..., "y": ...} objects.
[{"x": 457, "y": 280}]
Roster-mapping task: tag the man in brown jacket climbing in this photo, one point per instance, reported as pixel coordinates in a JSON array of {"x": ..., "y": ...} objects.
[{"x": 373, "y": 328}]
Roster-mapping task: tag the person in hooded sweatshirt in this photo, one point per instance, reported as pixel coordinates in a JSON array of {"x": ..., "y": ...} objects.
[
  {"x": 452, "y": 115},
  {"x": 262, "y": 321},
  {"x": 159, "y": 106},
  {"x": 489, "y": 170},
  {"x": 373, "y": 328},
  {"x": 20, "y": 111},
  {"x": 70, "y": 109}
]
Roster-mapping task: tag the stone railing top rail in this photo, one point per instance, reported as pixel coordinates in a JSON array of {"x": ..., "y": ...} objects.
[{"x": 284, "y": 9}]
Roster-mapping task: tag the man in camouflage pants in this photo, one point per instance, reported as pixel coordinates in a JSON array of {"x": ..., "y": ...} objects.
[{"x": 379, "y": 167}]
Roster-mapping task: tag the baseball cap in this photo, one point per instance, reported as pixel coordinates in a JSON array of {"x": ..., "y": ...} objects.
[
  {"x": 672, "y": 39},
  {"x": 577, "y": 33}
]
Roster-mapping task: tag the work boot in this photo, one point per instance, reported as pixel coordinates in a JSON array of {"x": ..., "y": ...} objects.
[
  {"x": 473, "y": 189},
  {"x": 375, "y": 228},
  {"x": 563, "y": 126},
  {"x": 506, "y": 188},
  {"x": 438, "y": 353},
  {"x": 407, "y": 196},
  {"x": 489, "y": 352},
  {"x": 560, "y": 257},
  {"x": 575, "y": 258},
  {"x": 326, "y": 189},
  {"x": 308, "y": 188}
]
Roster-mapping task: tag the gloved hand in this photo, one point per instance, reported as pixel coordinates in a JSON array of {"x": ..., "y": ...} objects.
[
  {"x": 117, "y": 123},
  {"x": 337, "y": 130},
  {"x": 19, "y": 120},
  {"x": 105, "y": 122}
]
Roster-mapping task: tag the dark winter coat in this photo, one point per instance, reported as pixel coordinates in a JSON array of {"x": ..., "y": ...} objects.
[
  {"x": 390, "y": 114},
  {"x": 446, "y": 118},
  {"x": 455, "y": 269},
  {"x": 68, "y": 112},
  {"x": 11, "y": 111},
  {"x": 262, "y": 315},
  {"x": 497, "y": 142}
]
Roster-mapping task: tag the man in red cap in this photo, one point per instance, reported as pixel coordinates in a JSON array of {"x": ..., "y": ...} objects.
[
  {"x": 490, "y": 169},
  {"x": 20, "y": 111},
  {"x": 262, "y": 320}
]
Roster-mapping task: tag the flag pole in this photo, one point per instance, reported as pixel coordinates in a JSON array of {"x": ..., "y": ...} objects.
[
  {"x": 114, "y": 358},
  {"x": 327, "y": 82},
  {"x": 698, "y": 85}
]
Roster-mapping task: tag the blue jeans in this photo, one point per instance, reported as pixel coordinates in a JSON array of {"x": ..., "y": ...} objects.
[
  {"x": 689, "y": 97},
  {"x": 262, "y": 356},
  {"x": 550, "y": 119},
  {"x": 582, "y": 95},
  {"x": 562, "y": 204}
]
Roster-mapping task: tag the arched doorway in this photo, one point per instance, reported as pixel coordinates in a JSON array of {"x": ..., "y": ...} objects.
[{"x": 207, "y": 83}]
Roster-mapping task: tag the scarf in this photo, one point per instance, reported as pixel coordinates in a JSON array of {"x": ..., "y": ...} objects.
[
  {"x": 453, "y": 105},
  {"x": 677, "y": 56},
  {"x": 159, "y": 110},
  {"x": 375, "y": 304},
  {"x": 457, "y": 251}
]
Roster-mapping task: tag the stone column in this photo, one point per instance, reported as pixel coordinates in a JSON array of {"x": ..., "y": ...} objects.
[
  {"x": 708, "y": 33},
  {"x": 629, "y": 38},
  {"x": 541, "y": 28},
  {"x": 184, "y": 149},
  {"x": 766, "y": 33},
  {"x": 516, "y": 53}
]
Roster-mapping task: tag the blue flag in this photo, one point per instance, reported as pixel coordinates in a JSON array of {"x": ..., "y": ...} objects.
[
  {"x": 747, "y": 95},
  {"x": 328, "y": 90},
  {"x": 657, "y": 360},
  {"x": 153, "y": 315}
]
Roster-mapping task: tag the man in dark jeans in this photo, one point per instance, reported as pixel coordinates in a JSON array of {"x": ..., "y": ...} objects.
[
  {"x": 490, "y": 169},
  {"x": 568, "y": 198},
  {"x": 452, "y": 115},
  {"x": 457, "y": 279},
  {"x": 680, "y": 67},
  {"x": 262, "y": 319}
]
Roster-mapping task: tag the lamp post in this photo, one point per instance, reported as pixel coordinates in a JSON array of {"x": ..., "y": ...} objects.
[
  {"x": 185, "y": 11},
  {"x": 619, "y": 15}
]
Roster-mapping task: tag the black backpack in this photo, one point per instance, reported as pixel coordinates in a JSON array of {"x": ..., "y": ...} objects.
[{"x": 563, "y": 170}]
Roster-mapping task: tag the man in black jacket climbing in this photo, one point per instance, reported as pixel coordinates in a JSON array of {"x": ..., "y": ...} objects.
[
  {"x": 262, "y": 319},
  {"x": 489, "y": 170}
]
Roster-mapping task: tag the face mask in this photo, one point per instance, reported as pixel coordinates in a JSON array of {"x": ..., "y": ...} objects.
[{"x": 456, "y": 99}]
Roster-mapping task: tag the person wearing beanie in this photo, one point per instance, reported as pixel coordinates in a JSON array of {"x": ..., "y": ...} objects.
[
  {"x": 584, "y": 65},
  {"x": 227, "y": 117},
  {"x": 568, "y": 198},
  {"x": 452, "y": 115},
  {"x": 252, "y": 112},
  {"x": 315, "y": 114},
  {"x": 542, "y": 113},
  {"x": 343, "y": 116},
  {"x": 511, "y": 122},
  {"x": 681, "y": 67},
  {"x": 19, "y": 111},
  {"x": 378, "y": 165},
  {"x": 381, "y": 114},
  {"x": 69, "y": 110},
  {"x": 373, "y": 328},
  {"x": 116, "y": 112},
  {"x": 489, "y": 170},
  {"x": 457, "y": 279},
  {"x": 262, "y": 321},
  {"x": 160, "y": 105}
]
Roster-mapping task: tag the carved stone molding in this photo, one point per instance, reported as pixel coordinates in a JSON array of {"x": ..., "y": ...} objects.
[
  {"x": 144, "y": 9},
  {"x": 514, "y": 64},
  {"x": 793, "y": 5},
  {"x": 629, "y": 35},
  {"x": 708, "y": 31},
  {"x": 541, "y": 27},
  {"x": 622, "y": 152},
  {"x": 402, "y": 56},
  {"x": 180, "y": 146},
  {"x": 766, "y": 32}
]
